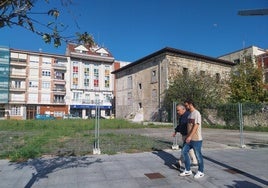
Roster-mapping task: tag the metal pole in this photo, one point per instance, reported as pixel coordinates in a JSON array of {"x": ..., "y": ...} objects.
[
  {"x": 96, "y": 149},
  {"x": 241, "y": 125},
  {"x": 174, "y": 114}
]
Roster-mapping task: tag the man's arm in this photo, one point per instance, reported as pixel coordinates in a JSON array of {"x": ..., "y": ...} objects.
[{"x": 191, "y": 133}]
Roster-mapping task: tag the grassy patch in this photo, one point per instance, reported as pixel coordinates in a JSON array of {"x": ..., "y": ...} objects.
[{"x": 21, "y": 140}]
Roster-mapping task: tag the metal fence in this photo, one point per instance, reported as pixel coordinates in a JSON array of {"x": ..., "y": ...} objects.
[{"x": 235, "y": 117}]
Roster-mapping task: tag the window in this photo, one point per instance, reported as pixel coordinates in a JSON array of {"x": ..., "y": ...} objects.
[
  {"x": 45, "y": 72},
  {"x": 58, "y": 98},
  {"x": 59, "y": 75},
  {"x": 107, "y": 77},
  {"x": 15, "y": 110},
  {"x": 17, "y": 84},
  {"x": 86, "y": 71},
  {"x": 185, "y": 72},
  {"x": 46, "y": 60},
  {"x": 129, "y": 82},
  {"x": 154, "y": 76},
  {"x": 77, "y": 96},
  {"x": 236, "y": 61},
  {"x": 75, "y": 75},
  {"x": 218, "y": 77},
  {"x": 46, "y": 85},
  {"x": 86, "y": 82},
  {"x": 33, "y": 83},
  {"x": 140, "y": 87},
  {"x": 96, "y": 76}
]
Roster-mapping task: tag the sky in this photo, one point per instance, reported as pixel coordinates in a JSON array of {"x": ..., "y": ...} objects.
[{"x": 133, "y": 29}]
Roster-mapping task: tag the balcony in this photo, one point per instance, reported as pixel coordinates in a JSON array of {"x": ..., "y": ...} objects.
[
  {"x": 18, "y": 62},
  {"x": 19, "y": 75},
  {"x": 17, "y": 89},
  {"x": 57, "y": 90},
  {"x": 57, "y": 66}
]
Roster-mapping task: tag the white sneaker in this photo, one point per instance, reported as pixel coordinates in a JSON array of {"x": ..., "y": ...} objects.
[
  {"x": 199, "y": 175},
  {"x": 186, "y": 173}
]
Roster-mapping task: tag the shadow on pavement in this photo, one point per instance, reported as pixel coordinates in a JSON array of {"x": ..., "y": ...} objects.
[
  {"x": 235, "y": 170},
  {"x": 168, "y": 158},
  {"x": 44, "y": 166}
]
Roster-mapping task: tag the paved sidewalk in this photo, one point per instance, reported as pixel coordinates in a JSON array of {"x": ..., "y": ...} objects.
[{"x": 223, "y": 168}]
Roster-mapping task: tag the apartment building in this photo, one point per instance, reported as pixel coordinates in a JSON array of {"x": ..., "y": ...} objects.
[
  {"x": 91, "y": 82},
  {"x": 32, "y": 83},
  {"x": 140, "y": 86}
]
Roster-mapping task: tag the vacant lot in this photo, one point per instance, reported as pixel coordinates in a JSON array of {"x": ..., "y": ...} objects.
[{"x": 20, "y": 140}]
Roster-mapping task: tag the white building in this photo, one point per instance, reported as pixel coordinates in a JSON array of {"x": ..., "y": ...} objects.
[{"x": 90, "y": 81}]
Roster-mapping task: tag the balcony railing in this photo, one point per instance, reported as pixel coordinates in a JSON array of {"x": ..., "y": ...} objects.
[
  {"x": 59, "y": 66},
  {"x": 59, "y": 101},
  {"x": 18, "y": 75},
  {"x": 18, "y": 63}
]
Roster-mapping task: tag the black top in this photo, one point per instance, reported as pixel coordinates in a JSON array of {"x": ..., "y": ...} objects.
[{"x": 182, "y": 123}]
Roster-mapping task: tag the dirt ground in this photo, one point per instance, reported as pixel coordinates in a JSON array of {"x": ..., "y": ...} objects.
[{"x": 212, "y": 138}]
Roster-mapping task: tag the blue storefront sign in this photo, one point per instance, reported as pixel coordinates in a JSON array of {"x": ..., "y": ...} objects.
[{"x": 90, "y": 107}]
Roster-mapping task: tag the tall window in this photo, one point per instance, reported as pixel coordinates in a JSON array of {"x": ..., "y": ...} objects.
[
  {"x": 77, "y": 96},
  {"x": 107, "y": 77},
  {"x": 153, "y": 76},
  {"x": 75, "y": 74},
  {"x": 129, "y": 82},
  {"x": 86, "y": 82},
  {"x": 86, "y": 76},
  {"x": 185, "y": 72},
  {"x": 96, "y": 76},
  {"x": 218, "y": 77},
  {"x": 17, "y": 84},
  {"x": 86, "y": 71}
]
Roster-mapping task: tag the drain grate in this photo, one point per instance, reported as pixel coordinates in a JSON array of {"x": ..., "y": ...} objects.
[
  {"x": 234, "y": 171},
  {"x": 154, "y": 175}
]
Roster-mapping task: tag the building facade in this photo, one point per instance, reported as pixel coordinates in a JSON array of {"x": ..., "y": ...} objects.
[
  {"x": 37, "y": 84},
  {"x": 4, "y": 81},
  {"x": 240, "y": 55},
  {"x": 140, "y": 86},
  {"x": 90, "y": 80},
  {"x": 78, "y": 82}
]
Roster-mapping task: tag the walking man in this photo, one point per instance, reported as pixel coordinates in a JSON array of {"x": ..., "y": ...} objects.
[
  {"x": 193, "y": 140},
  {"x": 182, "y": 128}
]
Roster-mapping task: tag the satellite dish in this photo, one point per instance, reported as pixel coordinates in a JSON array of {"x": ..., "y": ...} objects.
[{"x": 256, "y": 12}]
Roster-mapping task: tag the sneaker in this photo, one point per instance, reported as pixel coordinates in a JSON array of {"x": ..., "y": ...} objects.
[
  {"x": 186, "y": 173},
  {"x": 199, "y": 175}
]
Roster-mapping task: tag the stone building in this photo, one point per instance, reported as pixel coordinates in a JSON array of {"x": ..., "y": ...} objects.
[{"x": 140, "y": 85}]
